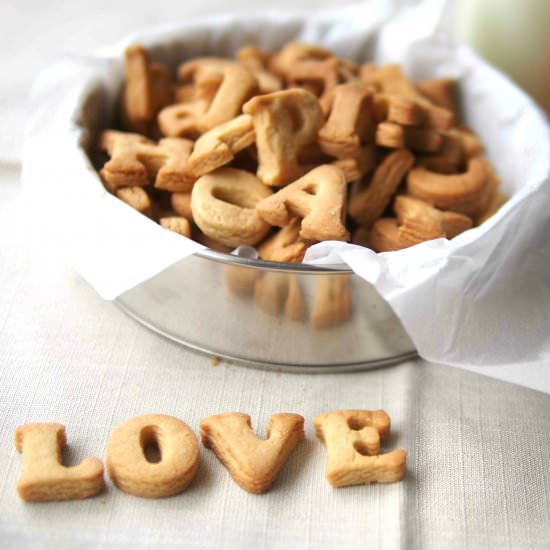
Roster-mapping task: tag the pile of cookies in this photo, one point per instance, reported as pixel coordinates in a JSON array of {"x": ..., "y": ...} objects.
[{"x": 280, "y": 151}]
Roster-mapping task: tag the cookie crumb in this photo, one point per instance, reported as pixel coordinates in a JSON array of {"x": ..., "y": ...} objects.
[{"x": 215, "y": 361}]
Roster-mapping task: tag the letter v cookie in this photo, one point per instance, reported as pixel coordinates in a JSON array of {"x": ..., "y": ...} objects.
[{"x": 252, "y": 462}]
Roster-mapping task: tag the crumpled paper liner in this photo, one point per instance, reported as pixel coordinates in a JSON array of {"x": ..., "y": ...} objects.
[{"x": 481, "y": 299}]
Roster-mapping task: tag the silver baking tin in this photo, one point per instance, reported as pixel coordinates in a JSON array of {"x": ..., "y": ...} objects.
[{"x": 234, "y": 308}]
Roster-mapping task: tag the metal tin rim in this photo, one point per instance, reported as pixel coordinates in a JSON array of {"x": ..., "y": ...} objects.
[
  {"x": 224, "y": 258},
  {"x": 332, "y": 368}
]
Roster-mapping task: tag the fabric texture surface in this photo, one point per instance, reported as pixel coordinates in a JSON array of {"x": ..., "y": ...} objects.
[{"x": 479, "y": 449}]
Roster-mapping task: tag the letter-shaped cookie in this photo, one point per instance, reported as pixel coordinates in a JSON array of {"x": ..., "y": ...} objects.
[
  {"x": 284, "y": 122},
  {"x": 181, "y": 203},
  {"x": 177, "y": 224},
  {"x": 220, "y": 145},
  {"x": 317, "y": 75},
  {"x": 129, "y": 468},
  {"x": 136, "y": 161},
  {"x": 238, "y": 85},
  {"x": 426, "y": 140},
  {"x": 257, "y": 60},
  {"x": 292, "y": 53},
  {"x": 457, "y": 192},
  {"x": 224, "y": 207},
  {"x": 421, "y": 222},
  {"x": 350, "y": 123},
  {"x": 318, "y": 198},
  {"x": 391, "y": 81},
  {"x": 285, "y": 245},
  {"x": 441, "y": 91},
  {"x": 252, "y": 462},
  {"x": 368, "y": 204},
  {"x": 182, "y": 119},
  {"x": 147, "y": 88},
  {"x": 355, "y": 168},
  {"x": 44, "y": 478},
  {"x": 137, "y": 198},
  {"x": 352, "y": 439},
  {"x": 384, "y": 236}
]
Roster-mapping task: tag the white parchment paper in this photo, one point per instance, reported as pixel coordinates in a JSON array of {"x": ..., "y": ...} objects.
[{"x": 481, "y": 299}]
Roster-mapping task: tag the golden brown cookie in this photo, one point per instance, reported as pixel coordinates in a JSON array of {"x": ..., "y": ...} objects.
[
  {"x": 457, "y": 192},
  {"x": 285, "y": 245},
  {"x": 368, "y": 204},
  {"x": 441, "y": 92},
  {"x": 397, "y": 109},
  {"x": 201, "y": 238},
  {"x": 220, "y": 145},
  {"x": 137, "y": 198},
  {"x": 237, "y": 86},
  {"x": 318, "y": 198},
  {"x": 361, "y": 236},
  {"x": 181, "y": 203},
  {"x": 185, "y": 93},
  {"x": 136, "y": 161},
  {"x": 252, "y": 462},
  {"x": 350, "y": 123},
  {"x": 416, "y": 222},
  {"x": 449, "y": 158},
  {"x": 182, "y": 119},
  {"x": 292, "y": 53},
  {"x": 355, "y": 168},
  {"x": 352, "y": 439},
  {"x": 284, "y": 122},
  {"x": 224, "y": 207},
  {"x": 133, "y": 473},
  {"x": 44, "y": 478},
  {"x": 421, "y": 222},
  {"x": 177, "y": 224},
  {"x": 395, "y": 136},
  {"x": 390, "y": 80},
  {"x": 147, "y": 89},
  {"x": 471, "y": 144},
  {"x": 253, "y": 57},
  {"x": 319, "y": 76},
  {"x": 257, "y": 61}
]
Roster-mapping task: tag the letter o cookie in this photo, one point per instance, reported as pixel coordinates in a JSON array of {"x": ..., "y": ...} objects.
[
  {"x": 224, "y": 206},
  {"x": 129, "y": 468}
]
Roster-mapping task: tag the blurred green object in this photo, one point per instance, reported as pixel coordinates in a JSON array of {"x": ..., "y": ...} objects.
[{"x": 514, "y": 35}]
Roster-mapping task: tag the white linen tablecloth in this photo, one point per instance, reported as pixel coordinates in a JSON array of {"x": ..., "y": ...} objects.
[{"x": 479, "y": 449}]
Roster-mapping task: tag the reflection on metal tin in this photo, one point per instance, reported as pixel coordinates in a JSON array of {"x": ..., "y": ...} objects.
[{"x": 272, "y": 315}]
